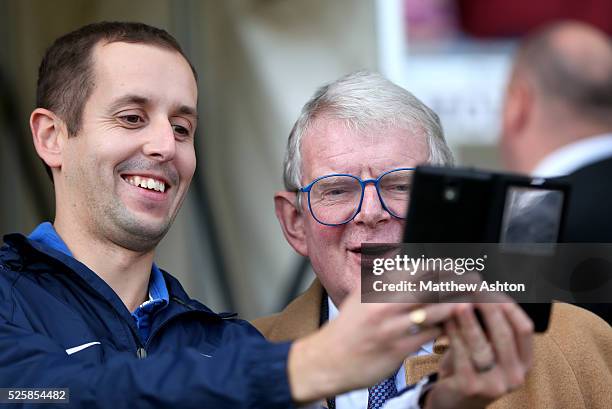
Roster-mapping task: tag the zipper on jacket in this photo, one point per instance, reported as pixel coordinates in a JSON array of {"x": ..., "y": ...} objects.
[{"x": 141, "y": 353}]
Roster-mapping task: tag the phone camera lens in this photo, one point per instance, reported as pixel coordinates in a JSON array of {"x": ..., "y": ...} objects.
[{"x": 450, "y": 194}]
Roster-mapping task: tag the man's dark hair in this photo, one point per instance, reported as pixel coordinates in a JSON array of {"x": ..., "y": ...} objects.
[{"x": 66, "y": 77}]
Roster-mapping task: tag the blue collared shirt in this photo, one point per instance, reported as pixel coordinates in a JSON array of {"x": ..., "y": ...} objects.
[{"x": 45, "y": 234}]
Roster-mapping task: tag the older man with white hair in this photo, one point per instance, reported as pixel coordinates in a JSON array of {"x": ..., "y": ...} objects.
[
  {"x": 347, "y": 173},
  {"x": 348, "y": 170}
]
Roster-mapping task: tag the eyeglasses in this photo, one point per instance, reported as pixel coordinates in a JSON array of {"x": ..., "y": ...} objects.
[{"x": 336, "y": 199}]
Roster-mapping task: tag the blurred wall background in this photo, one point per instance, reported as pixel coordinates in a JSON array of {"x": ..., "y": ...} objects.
[{"x": 259, "y": 61}]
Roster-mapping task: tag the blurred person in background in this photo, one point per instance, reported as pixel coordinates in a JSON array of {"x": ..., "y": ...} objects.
[
  {"x": 360, "y": 137},
  {"x": 82, "y": 304},
  {"x": 557, "y": 122}
]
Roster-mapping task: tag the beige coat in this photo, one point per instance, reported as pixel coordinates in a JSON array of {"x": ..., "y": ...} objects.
[{"x": 572, "y": 366}]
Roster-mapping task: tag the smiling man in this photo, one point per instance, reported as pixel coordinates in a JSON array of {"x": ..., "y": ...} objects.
[
  {"x": 83, "y": 306},
  {"x": 120, "y": 182}
]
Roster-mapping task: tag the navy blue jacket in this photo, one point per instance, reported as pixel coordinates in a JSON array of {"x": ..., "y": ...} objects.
[{"x": 50, "y": 303}]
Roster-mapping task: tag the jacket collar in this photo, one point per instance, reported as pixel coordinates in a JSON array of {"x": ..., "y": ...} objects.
[
  {"x": 24, "y": 254},
  {"x": 46, "y": 235}
]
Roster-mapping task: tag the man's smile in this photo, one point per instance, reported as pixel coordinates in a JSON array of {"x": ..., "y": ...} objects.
[
  {"x": 150, "y": 188},
  {"x": 145, "y": 182}
]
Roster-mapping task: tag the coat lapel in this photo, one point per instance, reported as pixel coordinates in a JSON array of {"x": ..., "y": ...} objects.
[{"x": 298, "y": 319}]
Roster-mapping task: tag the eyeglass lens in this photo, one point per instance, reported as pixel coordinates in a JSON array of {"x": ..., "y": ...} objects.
[{"x": 336, "y": 199}]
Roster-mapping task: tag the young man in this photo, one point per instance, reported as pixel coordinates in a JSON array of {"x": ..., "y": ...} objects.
[{"x": 83, "y": 307}]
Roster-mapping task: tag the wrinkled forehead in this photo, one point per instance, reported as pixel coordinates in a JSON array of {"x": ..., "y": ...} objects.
[{"x": 337, "y": 146}]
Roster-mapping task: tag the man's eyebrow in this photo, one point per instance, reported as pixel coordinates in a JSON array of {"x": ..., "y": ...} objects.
[
  {"x": 141, "y": 101},
  {"x": 187, "y": 110},
  {"x": 128, "y": 99}
]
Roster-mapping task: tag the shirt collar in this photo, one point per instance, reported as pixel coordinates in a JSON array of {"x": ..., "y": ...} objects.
[
  {"x": 45, "y": 234},
  {"x": 574, "y": 156},
  {"x": 157, "y": 286}
]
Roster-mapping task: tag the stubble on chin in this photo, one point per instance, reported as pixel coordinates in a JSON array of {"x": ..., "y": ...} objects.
[
  {"x": 134, "y": 234},
  {"x": 114, "y": 222}
]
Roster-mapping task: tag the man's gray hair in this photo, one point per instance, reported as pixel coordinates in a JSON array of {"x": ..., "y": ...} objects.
[{"x": 365, "y": 100}]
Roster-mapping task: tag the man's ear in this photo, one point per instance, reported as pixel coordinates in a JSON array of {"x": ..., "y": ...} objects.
[
  {"x": 47, "y": 133},
  {"x": 291, "y": 220},
  {"x": 517, "y": 108}
]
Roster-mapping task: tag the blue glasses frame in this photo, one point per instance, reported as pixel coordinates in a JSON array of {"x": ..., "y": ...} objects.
[{"x": 363, "y": 183}]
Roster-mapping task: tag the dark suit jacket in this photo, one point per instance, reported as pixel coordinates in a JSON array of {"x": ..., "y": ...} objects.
[{"x": 589, "y": 216}]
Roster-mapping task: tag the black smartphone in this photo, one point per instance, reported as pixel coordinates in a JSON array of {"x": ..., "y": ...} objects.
[{"x": 460, "y": 205}]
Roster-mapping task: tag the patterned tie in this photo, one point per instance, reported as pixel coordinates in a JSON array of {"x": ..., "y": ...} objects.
[{"x": 381, "y": 392}]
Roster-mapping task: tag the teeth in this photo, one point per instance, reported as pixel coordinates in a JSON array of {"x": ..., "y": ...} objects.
[{"x": 146, "y": 183}]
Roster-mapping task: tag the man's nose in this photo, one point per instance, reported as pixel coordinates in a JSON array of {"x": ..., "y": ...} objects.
[
  {"x": 372, "y": 211},
  {"x": 161, "y": 144}
]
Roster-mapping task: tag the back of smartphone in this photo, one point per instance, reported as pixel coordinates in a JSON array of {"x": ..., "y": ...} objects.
[
  {"x": 454, "y": 205},
  {"x": 449, "y": 207}
]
